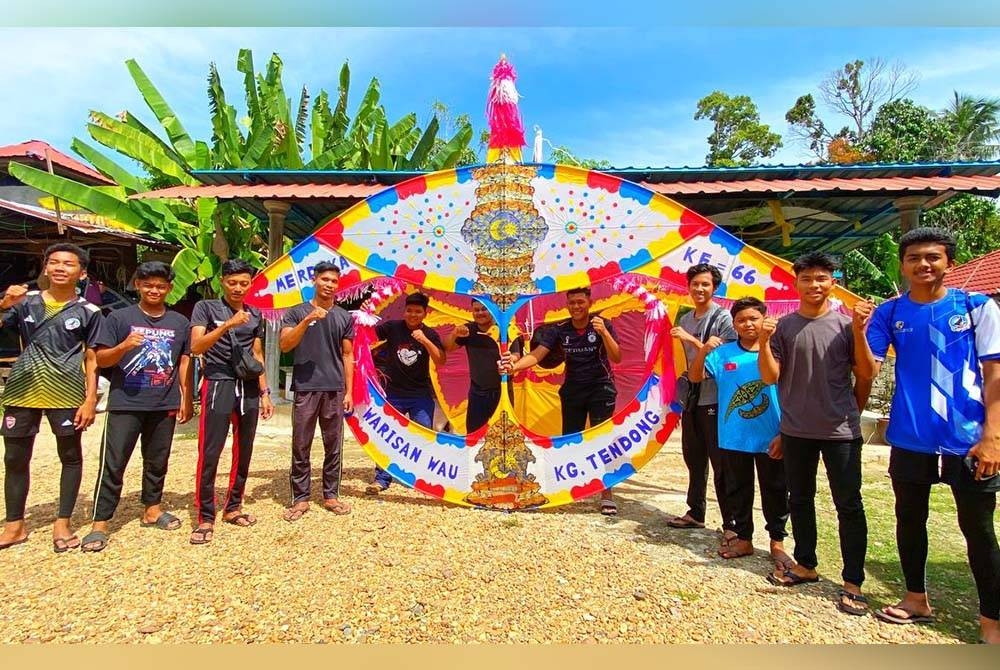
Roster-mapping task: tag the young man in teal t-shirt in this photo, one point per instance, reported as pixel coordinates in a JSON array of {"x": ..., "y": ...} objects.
[{"x": 749, "y": 420}]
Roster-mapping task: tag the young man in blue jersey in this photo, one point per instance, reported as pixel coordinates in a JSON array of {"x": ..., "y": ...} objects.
[
  {"x": 749, "y": 437},
  {"x": 944, "y": 425}
]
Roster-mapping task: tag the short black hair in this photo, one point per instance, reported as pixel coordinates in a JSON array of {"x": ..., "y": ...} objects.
[
  {"x": 418, "y": 299},
  {"x": 237, "y": 266},
  {"x": 325, "y": 266},
  {"x": 748, "y": 303},
  {"x": 151, "y": 269},
  {"x": 581, "y": 289},
  {"x": 928, "y": 235},
  {"x": 702, "y": 268},
  {"x": 814, "y": 260},
  {"x": 80, "y": 253}
]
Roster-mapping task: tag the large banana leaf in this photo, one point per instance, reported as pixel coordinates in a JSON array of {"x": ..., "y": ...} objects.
[
  {"x": 423, "y": 149},
  {"x": 320, "y": 124},
  {"x": 225, "y": 132},
  {"x": 300, "y": 119},
  {"x": 130, "y": 121},
  {"x": 179, "y": 138},
  {"x": 139, "y": 147},
  {"x": 447, "y": 156},
  {"x": 78, "y": 194},
  {"x": 106, "y": 166},
  {"x": 340, "y": 119}
]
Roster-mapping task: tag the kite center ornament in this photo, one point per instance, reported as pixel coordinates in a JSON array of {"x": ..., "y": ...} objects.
[{"x": 516, "y": 238}]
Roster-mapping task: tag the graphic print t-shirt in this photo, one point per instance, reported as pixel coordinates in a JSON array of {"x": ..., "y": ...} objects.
[
  {"x": 319, "y": 357},
  {"x": 406, "y": 362},
  {"x": 213, "y": 313},
  {"x": 49, "y": 372},
  {"x": 145, "y": 379},
  {"x": 749, "y": 417},
  {"x": 938, "y": 404},
  {"x": 586, "y": 358}
]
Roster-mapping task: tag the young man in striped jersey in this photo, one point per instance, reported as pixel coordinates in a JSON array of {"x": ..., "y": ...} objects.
[{"x": 55, "y": 375}]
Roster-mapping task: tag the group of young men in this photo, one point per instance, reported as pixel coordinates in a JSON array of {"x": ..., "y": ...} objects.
[
  {"x": 766, "y": 395},
  {"x": 776, "y": 395}
]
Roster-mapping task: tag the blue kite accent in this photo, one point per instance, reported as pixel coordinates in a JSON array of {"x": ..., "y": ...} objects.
[
  {"x": 618, "y": 476},
  {"x": 546, "y": 284},
  {"x": 463, "y": 174},
  {"x": 407, "y": 478},
  {"x": 301, "y": 250},
  {"x": 463, "y": 285},
  {"x": 727, "y": 241},
  {"x": 386, "y": 198},
  {"x": 635, "y": 192},
  {"x": 560, "y": 441},
  {"x": 308, "y": 291},
  {"x": 450, "y": 440},
  {"x": 636, "y": 260},
  {"x": 381, "y": 265},
  {"x": 546, "y": 171}
]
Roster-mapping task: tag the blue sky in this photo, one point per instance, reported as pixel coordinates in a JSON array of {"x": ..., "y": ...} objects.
[{"x": 624, "y": 94}]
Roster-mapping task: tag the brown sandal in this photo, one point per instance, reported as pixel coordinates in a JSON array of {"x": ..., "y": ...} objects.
[
  {"x": 337, "y": 506},
  {"x": 294, "y": 513},
  {"x": 685, "y": 522},
  {"x": 736, "y": 548}
]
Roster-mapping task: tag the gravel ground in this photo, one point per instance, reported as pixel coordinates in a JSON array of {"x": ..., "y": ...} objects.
[{"x": 406, "y": 568}]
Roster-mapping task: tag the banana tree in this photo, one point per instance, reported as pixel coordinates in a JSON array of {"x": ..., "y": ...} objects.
[{"x": 274, "y": 134}]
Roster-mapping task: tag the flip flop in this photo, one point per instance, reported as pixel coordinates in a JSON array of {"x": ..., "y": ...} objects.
[
  {"x": 202, "y": 535},
  {"x": 166, "y": 521},
  {"x": 61, "y": 545},
  {"x": 609, "y": 508},
  {"x": 98, "y": 537},
  {"x": 294, "y": 514},
  {"x": 242, "y": 520},
  {"x": 911, "y": 617},
  {"x": 336, "y": 506},
  {"x": 789, "y": 578},
  {"x": 14, "y": 543},
  {"x": 685, "y": 522},
  {"x": 848, "y": 607},
  {"x": 783, "y": 561},
  {"x": 729, "y": 551}
]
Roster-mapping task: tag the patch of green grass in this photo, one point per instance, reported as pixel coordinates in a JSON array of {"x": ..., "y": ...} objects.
[
  {"x": 949, "y": 580},
  {"x": 510, "y": 521}
]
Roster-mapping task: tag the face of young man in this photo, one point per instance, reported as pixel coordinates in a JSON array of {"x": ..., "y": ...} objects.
[
  {"x": 481, "y": 316},
  {"x": 326, "y": 285},
  {"x": 63, "y": 269},
  {"x": 414, "y": 315},
  {"x": 925, "y": 264},
  {"x": 747, "y": 323},
  {"x": 152, "y": 291},
  {"x": 701, "y": 289},
  {"x": 578, "y": 305},
  {"x": 814, "y": 285},
  {"x": 235, "y": 287}
]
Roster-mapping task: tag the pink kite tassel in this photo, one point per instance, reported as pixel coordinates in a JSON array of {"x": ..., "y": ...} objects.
[
  {"x": 364, "y": 364},
  {"x": 506, "y": 128}
]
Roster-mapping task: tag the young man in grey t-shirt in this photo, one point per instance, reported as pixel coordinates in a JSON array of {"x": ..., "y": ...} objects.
[
  {"x": 810, "y": 355},
  {"x": 322, "y": 336},
  {"x": 699, "y": 422}
]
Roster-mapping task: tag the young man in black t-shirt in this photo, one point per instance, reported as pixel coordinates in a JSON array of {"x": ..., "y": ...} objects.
[
  {"x": 221, "y": 331},
  {"x": 56, "y": 374},
  {"x": 409, "y": 348},
  {"x": 483, "y": 352},
  {"x": 322, "y": 336},
  {"x": 147, "y": 349},
  {"x": 588, "y": 390}
]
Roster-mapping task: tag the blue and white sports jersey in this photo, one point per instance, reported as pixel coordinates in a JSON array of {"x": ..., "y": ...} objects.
[{"x": 938, "y": 404}]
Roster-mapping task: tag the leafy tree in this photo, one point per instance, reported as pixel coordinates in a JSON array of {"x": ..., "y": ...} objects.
[
  {"x": 854, "y": 92},
  {"x": 974, "y": 220},
  {"x": 272, "y": 135},
  {"x": 873, "y": 270},
  {"x": 562, "y": 155},
  {"x": 904, "y": 131},
  {"x": 738, "y": 137}
]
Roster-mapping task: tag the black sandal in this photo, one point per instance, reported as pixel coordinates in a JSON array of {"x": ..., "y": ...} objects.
[
  {"x": 239, "y": 519},
  {"x": 98, "y": 537},
  {"x": 848, "y": 608},
  {"x": 201, "y": 535}
]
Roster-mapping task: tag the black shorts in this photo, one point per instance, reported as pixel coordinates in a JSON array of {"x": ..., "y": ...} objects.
[
  {"x": 24, "y": 421},
  {"x": 914, "y": 467}
]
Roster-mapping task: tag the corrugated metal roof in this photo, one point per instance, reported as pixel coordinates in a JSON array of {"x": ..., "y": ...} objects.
[
  {"x": 86, "y": 227},
  {"x": 36, "y": 150},
  {"x": 981, "y": 274}
]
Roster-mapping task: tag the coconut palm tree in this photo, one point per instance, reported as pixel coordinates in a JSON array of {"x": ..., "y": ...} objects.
[{"x": 975, "y": 125}]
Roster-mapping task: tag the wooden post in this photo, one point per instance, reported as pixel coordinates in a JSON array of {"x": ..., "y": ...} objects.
[
  {"x": 909, "y": 208},
  {"x": 276, "y": 212}
]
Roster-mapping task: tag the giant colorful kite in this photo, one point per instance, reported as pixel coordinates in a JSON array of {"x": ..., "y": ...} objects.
[{"x": 513, "y": 235}]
